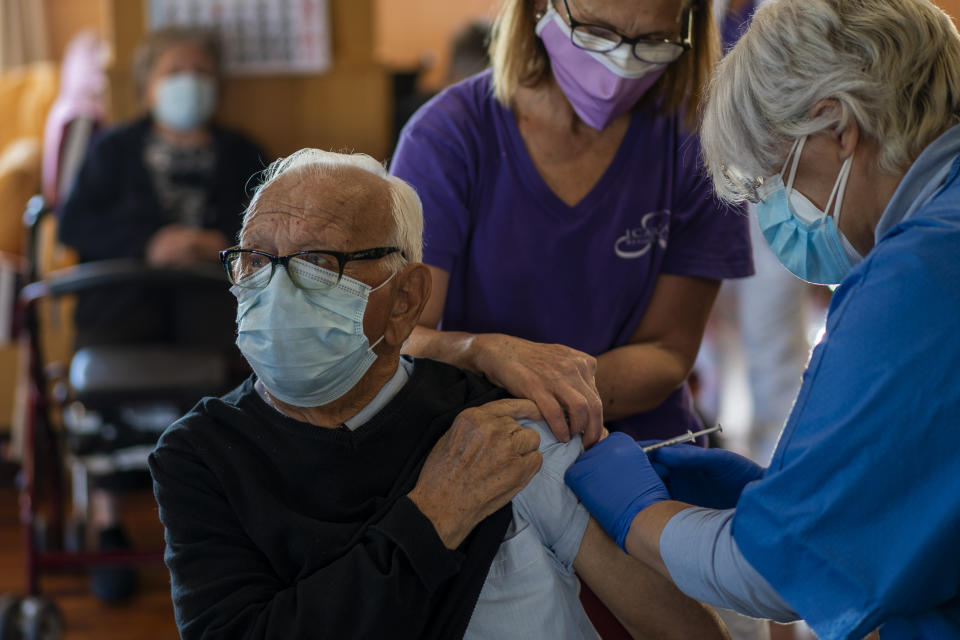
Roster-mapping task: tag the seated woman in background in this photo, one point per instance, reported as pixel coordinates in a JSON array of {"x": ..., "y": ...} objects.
[{"x": 168, "y": 188}]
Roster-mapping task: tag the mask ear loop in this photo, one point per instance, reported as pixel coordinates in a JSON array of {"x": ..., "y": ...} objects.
[
  {"x": 839, "y": 187},
  {"x": 384, "y": 282},
  {"x": 795, "y": 152},
  {"x": 382, "y": 335}
]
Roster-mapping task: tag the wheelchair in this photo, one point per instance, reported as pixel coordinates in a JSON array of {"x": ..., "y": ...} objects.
[{"x": 145, "y": 385}]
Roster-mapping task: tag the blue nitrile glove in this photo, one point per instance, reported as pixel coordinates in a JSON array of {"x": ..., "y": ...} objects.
[
  {"x": 615, "y": 481},
  {"x": 712, "y": 478},
  {"x": 661, "y": 470}
]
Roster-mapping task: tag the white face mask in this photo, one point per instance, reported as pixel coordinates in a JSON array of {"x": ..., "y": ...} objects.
[
  {"x": 185, "y": 100},
  {"x": 307, "y": 347}
]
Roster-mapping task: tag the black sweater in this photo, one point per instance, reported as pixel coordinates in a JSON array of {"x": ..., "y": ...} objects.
[
  {"x": 112, "y": 212},
  {"x": 113, "y": 208},
  {"x": 279, "y": 529}
]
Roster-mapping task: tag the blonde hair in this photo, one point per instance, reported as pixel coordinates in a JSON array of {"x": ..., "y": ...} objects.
[
  {"x": 406, "y": 210},
  {"x": 891, "y": 65},
  {"x": 519, "y": 59}
]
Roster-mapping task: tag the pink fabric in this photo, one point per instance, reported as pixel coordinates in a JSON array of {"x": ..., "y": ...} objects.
[{"x": 83, "y": 84}]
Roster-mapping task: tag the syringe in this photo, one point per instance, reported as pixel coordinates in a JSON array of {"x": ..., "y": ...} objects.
[{"x": 689, "y": 436}]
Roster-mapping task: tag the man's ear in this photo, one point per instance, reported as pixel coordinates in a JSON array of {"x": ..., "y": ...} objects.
[{"x": 412, "y": 293}]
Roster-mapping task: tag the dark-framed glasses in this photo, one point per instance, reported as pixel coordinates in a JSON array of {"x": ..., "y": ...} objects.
[
  {"x": 600, "y": 39},
  {"x": 312, "y": 270}
]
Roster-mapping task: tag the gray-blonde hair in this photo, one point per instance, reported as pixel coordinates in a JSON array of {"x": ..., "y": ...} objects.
[
  {"x": 519, "y": 59},
  {"x": 891, "y": 65},
  {"x": 406, "y": 210}
]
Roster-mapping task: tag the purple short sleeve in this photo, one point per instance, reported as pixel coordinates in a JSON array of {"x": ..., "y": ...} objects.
[
  {"x": 437, "y": 155},
  {"x": 708, "y": 239}
]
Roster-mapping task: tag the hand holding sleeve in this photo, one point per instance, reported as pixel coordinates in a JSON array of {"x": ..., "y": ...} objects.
[
  {"x": 712, "y": 478},
  {"x": 615, "y": 481}
]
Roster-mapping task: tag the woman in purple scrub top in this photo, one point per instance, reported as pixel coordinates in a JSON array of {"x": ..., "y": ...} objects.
[{"x": 575, "y": 247}]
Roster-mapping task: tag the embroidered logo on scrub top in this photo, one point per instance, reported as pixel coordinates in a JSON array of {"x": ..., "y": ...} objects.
[{"x": 654, "y": 228}]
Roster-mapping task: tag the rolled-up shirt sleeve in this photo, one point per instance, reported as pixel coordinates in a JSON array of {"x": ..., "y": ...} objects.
[
  {"x": 547, "y": 503},
  {"x": 703, "y": 559}
]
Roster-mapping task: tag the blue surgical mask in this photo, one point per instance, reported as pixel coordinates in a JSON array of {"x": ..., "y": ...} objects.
[
  {"x": 805, "y": 239},
  {"x": 185, "y": 100},
  {"x": 306, "y": 346}
]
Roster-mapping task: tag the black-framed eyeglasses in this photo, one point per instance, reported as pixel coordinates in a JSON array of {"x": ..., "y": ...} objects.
[
  {"x": 599, "y": 39},
  {"x": 312, "y": 270}
]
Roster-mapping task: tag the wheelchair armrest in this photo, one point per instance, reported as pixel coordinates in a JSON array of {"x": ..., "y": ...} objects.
[{"x": 92, "y": 275}]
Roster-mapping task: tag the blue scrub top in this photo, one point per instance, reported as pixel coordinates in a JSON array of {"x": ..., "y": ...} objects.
[{"x": 857, "y": 521}]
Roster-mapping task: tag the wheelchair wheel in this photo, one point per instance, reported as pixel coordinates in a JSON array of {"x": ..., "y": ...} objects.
[
  {"x": 10, "y": 618},
  {"x": 41, "y": 619}
]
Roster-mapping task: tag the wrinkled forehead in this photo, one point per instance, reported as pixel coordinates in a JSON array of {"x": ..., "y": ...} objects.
[{"x": 344, "y": 209}]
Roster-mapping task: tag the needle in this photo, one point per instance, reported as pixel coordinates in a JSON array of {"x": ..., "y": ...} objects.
[{"x": 689, "y": 436}]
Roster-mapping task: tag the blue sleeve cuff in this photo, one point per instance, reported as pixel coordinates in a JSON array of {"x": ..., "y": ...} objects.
[{"x": 699, "y": 551}]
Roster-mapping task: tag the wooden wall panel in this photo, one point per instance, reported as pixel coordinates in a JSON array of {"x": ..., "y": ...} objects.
[
  {"x": 67, "y": 17},
  {"x": 952, "y": 7},
  {"x": 410, "y": 30},
  {"x": 347, "y": 108}
]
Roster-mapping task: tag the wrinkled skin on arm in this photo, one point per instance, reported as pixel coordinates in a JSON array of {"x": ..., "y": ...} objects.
[{"x": 477, "y": 467}]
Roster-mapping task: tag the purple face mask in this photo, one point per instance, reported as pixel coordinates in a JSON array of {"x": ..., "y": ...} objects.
[{"x": 601, "y": 87}]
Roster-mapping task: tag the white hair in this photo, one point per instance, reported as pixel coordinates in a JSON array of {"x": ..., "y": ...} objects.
[
  {"x": 891, "y": 65},
  {"x": 405, "y": 207}
]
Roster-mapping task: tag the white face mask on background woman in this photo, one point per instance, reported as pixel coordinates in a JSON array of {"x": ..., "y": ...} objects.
[{"x": 185, "y": 100}]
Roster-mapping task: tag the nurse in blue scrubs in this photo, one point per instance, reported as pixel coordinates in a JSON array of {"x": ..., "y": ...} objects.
[{"x": 841, "y": 120}]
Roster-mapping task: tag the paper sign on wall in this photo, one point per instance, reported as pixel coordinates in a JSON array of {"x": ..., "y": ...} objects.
[{"x": 258, "y": 36}]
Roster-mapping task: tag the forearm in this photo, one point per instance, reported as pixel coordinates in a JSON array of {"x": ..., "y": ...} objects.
[
  {"x": 207, "y": 245},
  {"x": 694, "y": 548},
  {"x": 645, "y": 602},
  {"x": 453, "y": 347},
  {"x": 395, "y": 569},
  {"x": 643, "y": 539},
  {"x": 227, "y": 584},
  {"x": 638, "y": 377},
  {"x": 99, "y": 234},
  {"x": 451, "y": 524}
]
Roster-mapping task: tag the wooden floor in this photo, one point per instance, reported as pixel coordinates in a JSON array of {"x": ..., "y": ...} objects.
[{"x": 148, "y": 616}]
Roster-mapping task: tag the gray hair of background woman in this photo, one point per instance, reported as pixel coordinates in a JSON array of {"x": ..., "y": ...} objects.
[
  {"x": 891, "y": 65},
  {"x": 405, "y": 207},
  {"x": 156, "y": 42}
]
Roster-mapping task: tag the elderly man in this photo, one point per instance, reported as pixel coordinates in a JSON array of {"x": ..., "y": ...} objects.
[{"x": 344, "y": 492}]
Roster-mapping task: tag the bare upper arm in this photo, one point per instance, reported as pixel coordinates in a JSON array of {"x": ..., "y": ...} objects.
[
  {"x": 677, "y": 314},
  {"x": 646, "y": 603}
]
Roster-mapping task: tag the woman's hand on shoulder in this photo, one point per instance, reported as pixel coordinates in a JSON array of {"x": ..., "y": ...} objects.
[{"x": 560, "y": 380}]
